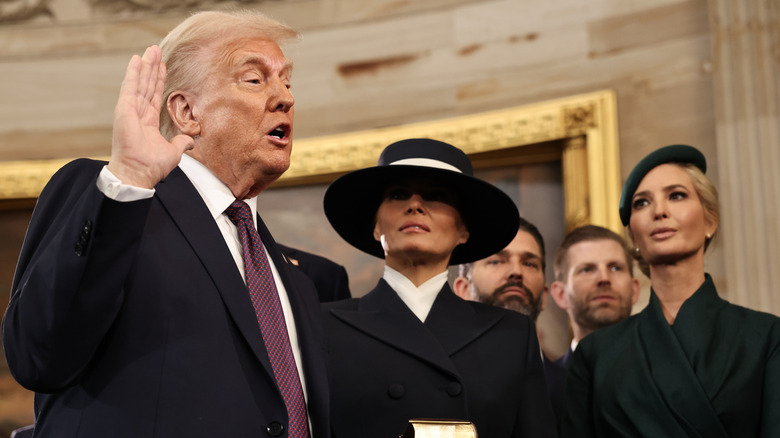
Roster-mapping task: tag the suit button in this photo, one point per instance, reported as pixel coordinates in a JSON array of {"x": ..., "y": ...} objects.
[
  {"x": 79, "y": 249},
  {"x": 396, "y": 391},
  {"x": 275, "y": 428},
  {"x": 454, "y": 388}
]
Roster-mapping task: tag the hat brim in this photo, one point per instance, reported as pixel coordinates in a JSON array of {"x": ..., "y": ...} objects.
[{"x": 491, "y": 217}]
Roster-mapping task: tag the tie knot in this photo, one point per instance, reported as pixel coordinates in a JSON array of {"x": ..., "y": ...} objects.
[{"x": 239, "y": 212}]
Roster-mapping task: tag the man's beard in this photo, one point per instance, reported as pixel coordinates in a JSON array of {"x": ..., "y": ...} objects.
[
  {"x": 527, "y": 305},
  {"x": 591, "y": 318}
]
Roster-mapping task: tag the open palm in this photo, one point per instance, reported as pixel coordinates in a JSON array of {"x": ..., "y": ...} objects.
[{"x": 140, "y": 155}]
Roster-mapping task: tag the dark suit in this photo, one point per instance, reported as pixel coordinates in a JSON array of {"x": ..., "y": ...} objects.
[
  {"x": 555, "y": 376},
  {"x": 329, "y": 277},
  {"x": 132, "y": 320},
  {"x": 565, "y": 360},
  {"x": 468, "y": 361}
]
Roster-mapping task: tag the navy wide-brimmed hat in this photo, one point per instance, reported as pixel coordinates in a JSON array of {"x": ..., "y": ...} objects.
[
  {"x": 676, "y": 153},
  {"x": 491, "y": 217}
]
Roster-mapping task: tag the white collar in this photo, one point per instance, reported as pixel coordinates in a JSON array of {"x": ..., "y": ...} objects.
[
  {"x": 214, "y": 192},
  {"x": 418, "y": 299}
]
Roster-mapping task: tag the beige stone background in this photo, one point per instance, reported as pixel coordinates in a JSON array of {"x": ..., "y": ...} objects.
[{"x": 701, "y": 72}]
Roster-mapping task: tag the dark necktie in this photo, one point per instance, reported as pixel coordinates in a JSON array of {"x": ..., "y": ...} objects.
[{"x": 268, "y": 308}]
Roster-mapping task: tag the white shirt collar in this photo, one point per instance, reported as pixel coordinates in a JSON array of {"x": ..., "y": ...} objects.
[
  {"x": 418, "y": 299},
  {"x": 214, "y": 192}
]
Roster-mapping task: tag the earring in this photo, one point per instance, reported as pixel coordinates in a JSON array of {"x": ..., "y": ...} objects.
[
  {"x": 709, "y": 235},
  {"x": 636, "y": 249}
]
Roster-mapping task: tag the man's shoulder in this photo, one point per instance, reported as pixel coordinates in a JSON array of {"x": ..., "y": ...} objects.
[{"x": 80, "y": 168}]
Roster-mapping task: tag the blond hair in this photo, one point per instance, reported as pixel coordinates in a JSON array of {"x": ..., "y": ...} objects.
[{"x": 190, "y": 49}]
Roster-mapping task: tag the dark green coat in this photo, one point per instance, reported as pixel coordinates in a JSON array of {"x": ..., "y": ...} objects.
[{"x": 714, "y": 373}]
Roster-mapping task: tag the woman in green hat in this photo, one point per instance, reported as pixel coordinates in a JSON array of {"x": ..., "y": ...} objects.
[{"x": 690, "y": 364}]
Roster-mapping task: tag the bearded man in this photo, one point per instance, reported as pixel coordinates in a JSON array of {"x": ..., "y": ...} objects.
[{"x": 594, "y": 281}]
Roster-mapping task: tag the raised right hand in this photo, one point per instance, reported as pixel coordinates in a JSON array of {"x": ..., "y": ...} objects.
[{"x": 140, "y": 155}]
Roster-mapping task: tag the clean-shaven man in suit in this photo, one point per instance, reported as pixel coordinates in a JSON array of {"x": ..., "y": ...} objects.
[
  {"x": 129, "y": 314},
  {"x": 594, "y": 282}
]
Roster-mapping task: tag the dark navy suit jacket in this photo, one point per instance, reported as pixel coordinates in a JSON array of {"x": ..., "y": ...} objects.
[
  {"x": 329, "y": 277},
  {"x": 132, "y": 320},
  {"x": 555, "y": 375},
  {"x": 565, "y": 360}
]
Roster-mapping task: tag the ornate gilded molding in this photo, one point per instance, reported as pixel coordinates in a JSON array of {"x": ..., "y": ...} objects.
[{"x": 585, "y": 124}]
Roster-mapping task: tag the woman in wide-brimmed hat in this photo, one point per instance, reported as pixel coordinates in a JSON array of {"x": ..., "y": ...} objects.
[
  {"x": 411, "y": 348},
  {"x": 690, "y": 364}
]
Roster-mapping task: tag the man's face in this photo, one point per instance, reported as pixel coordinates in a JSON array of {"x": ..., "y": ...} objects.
[
  {"x": 244, "y": 114},
  {"x": 513, "y": 278},
  {"x": 599, "y": 289}
]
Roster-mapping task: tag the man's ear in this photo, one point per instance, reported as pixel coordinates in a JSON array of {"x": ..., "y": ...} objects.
[
  {"x": 544, "y": 296},
  {"x": 462, "y": 287},
  {"x": 558, "y": 292},
  {"x": 634, "y": 291},
  {"x": 183, "y": 113}
]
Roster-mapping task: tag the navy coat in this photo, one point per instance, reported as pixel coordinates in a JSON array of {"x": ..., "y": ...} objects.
[
  {"x": 132, "y": 320},
  {"x": 468, "y": 361}
]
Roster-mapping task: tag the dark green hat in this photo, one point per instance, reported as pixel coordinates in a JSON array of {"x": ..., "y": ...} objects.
[{"x": 676, "y": 153}]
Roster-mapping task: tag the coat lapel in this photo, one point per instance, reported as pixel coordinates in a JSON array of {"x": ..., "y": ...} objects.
[
  {"x": 306, "y": 314},
  {"x": 185, "y": 206},
  {"x": 455, "y": 323},
  {"x": 305, "y": 309},
  {"x": 673, "y": 375},
  {"x": 382, "y": 315}
]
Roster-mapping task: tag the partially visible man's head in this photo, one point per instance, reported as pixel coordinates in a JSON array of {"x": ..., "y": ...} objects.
[
  {"x": 228, "y": 87},
  {"x": 513, "y": 278},
  {"x": 593, "y": 279},
  {"x": 197, "y": 46}
]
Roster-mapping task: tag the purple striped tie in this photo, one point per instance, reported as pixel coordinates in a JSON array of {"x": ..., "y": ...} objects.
[{"x": 268, "y": 308}]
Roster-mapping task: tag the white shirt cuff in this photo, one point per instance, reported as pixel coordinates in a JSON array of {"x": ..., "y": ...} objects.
[{"x": 112, "y": 187}]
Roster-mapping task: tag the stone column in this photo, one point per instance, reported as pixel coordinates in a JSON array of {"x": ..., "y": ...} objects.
[{"x": 746, "y": 73}]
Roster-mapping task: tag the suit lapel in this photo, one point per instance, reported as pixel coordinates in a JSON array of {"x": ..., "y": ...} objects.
[
  {"x": 309, "y": 337},
  {"x": 307, "y": 317},
  {"x": 185, "y": 206}
]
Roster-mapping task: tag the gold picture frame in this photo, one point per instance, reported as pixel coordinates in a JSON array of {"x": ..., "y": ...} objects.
[{"x": 583, "y": 128}]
